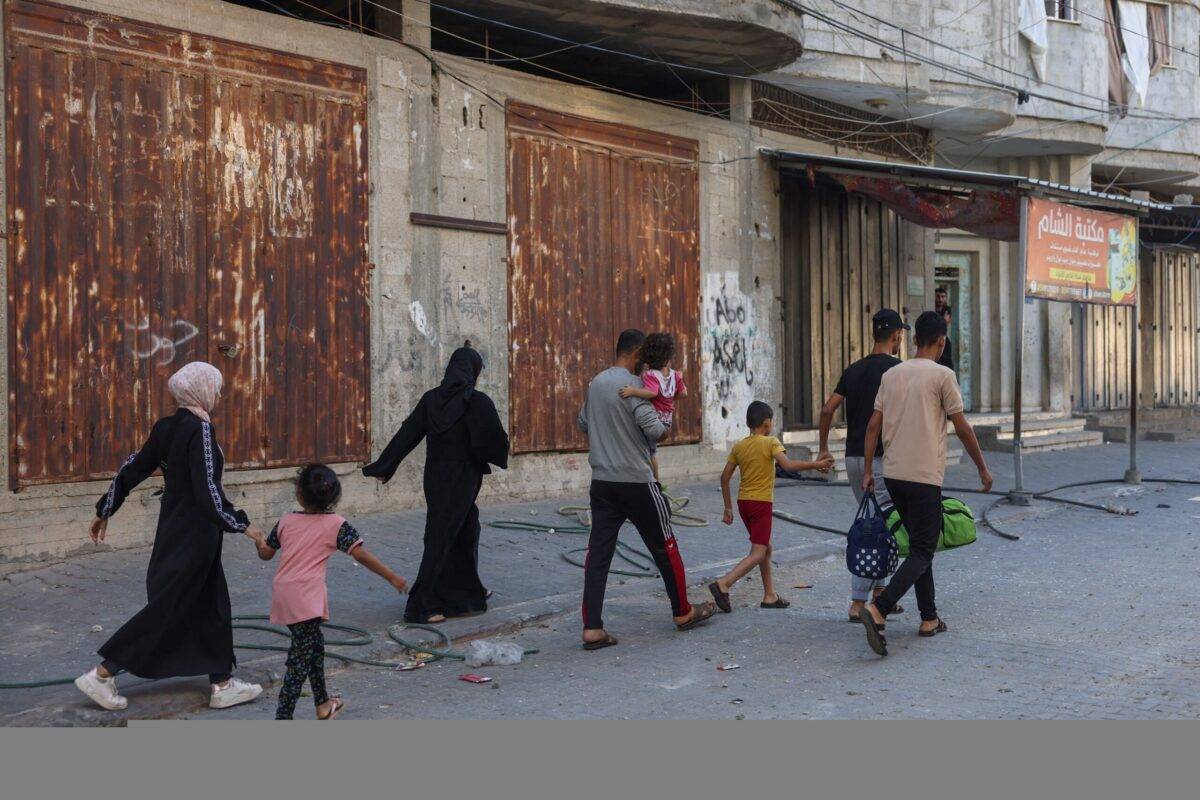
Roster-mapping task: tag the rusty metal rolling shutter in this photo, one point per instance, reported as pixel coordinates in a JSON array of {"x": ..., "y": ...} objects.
[
  {"x": 168, "y": 195},
  {"x": 603, "y": 236}
]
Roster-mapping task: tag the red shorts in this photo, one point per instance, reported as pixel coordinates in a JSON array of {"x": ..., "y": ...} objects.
[{"x": 756, "y": 514}]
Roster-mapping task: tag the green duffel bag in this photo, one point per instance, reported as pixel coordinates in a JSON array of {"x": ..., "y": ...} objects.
[{"x": 958, "y": 526}]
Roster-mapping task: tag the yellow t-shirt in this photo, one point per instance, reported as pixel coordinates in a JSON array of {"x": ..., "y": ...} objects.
[{"x": 755, "y": 457}]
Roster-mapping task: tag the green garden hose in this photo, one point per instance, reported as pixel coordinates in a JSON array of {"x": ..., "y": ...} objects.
[
  {"x": 640, "y": 562},
  {"x": 362, "y": 638}
]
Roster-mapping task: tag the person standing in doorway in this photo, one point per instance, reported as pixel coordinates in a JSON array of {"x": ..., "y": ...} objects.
[
  {"x": 857, "y": 389},
  {"x": 911, "y": 408},
  {"x": 946, "y": 359},
  {"x": 619, "y": 432}
]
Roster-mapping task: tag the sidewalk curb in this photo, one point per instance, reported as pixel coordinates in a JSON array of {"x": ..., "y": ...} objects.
[{"x": 189, "y": 694}]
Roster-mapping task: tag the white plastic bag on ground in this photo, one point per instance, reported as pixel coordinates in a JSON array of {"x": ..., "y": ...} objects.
[{"x": 482, "y": 653}]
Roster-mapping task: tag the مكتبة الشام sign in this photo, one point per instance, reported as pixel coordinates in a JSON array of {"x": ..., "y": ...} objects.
[{"x": 1077, "y": 254}]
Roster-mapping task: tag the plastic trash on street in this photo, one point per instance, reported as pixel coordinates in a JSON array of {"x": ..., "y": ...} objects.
[{"x": 482, "y": 653}]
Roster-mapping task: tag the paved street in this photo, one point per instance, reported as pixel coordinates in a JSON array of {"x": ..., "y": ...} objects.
[{"x": 1089, "y": 615}]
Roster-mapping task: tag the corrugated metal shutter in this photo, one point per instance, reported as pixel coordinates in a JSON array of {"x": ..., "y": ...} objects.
[
  {"x": 603, "y": 235},
  {"x": 172, "y": 198}
]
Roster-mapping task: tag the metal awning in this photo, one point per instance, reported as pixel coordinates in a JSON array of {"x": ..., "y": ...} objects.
[{"x": 958, "y": 179}]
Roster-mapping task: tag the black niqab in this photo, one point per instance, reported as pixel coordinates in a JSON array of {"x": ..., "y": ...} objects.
[{"x": 454, "y": 394}]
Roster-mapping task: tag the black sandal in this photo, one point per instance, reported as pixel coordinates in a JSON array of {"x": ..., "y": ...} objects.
[
  {"x": 779, "y": 603},
  {"x": 858, "y": 621},
  {"x": 700, "y": 613},
  {"x": 941, "y": 628},
  {"x": 608, "y": 641},
  {"x": 722, "y": 598},
  {"x": 877, "y": 642}
]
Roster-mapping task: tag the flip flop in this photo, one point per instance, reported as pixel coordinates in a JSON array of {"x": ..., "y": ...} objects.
[
  {"x": 941, "y": 628},
  {"x": 608, "y": 641},
  {"x": 336, "y": 705},
  {"x": 700, "y": 613},
  {"x": 722, "y": 598},
  {"x": 877, "y": 642},
  {"x": 779, "y": 603},
  {"x": 858, "y": 621}
]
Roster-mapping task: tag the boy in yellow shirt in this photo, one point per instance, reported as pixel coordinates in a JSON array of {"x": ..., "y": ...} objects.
[{"x": 756, "y": 456}]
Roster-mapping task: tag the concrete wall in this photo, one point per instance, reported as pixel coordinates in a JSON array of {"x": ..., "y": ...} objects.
[{"x": 437, "y": 145}]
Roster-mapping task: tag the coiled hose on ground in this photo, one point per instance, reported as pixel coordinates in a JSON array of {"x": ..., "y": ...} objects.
[
  {"x": 640, "y": 563},
  {"x": 361, "y": 638}
]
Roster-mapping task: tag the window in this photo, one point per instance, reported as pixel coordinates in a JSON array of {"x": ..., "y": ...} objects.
[
  {"x": 1061, "y": 9},
  {"x": 1158, "y": 30}
]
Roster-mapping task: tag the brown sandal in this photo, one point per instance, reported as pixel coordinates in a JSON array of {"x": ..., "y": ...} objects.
[
  {"x": 941, "y": 628},
  {"x": 608, "y": 641},
  {"x": 722, "y": 598},
  {"x": 700, "y": 613}
]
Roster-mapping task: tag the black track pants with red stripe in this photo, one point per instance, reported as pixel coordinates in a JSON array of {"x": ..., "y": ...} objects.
[{"x": 644, "y": 505}]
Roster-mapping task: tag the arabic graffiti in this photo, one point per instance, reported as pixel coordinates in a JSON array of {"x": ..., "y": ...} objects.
[{"x": 145, "y": 344}]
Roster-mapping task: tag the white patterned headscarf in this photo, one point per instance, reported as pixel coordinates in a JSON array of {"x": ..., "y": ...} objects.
[{"x": 196, "y": 387}]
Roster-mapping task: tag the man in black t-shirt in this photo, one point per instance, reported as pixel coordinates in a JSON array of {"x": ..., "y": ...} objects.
[{"x": 857, "y": 389}]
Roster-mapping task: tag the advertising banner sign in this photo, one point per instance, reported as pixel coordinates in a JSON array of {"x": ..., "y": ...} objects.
[{"x": 1080, "y": 255}]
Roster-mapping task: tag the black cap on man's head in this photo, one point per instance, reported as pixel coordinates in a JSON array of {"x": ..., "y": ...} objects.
[{"x": 887, "y": 320}]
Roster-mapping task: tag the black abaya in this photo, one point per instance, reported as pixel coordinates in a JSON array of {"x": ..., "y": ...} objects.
[
  {"x": 185, "y": 628},
  {"x": 464, "y": 435}
]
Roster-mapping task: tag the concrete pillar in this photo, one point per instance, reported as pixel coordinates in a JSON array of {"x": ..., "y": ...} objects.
[
  {"x": 741, "y": 110},
  {"x": 409, "y": 24}
]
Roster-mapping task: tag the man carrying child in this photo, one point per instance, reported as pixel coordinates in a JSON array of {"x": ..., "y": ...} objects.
[{"x": 619, "y": 432}]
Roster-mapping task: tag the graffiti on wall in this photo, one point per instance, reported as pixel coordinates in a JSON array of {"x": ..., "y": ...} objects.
[{"x": 728, "y": 359}]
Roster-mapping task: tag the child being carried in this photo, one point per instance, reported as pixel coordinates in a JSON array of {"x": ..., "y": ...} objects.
[{"x": 660, "y": 384}]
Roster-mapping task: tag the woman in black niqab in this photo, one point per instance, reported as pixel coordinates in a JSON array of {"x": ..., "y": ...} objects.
[{"x": 464, "y": 436}]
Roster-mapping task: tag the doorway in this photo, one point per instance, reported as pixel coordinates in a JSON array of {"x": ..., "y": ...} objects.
[{"x": 953, "y": 272}]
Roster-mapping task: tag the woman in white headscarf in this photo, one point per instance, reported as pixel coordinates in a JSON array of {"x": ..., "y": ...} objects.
[{"x": 186, "y": 626}]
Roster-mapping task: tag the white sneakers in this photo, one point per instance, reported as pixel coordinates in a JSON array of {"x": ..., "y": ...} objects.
[
  {"x": 102, "y": 690},
  {"x": 234, "y": 692}
]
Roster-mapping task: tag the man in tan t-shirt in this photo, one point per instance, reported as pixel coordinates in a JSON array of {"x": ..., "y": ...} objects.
[{"x": 911, "y": 408}]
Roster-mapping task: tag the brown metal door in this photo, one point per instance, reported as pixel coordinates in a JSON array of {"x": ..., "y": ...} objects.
[
  {"x": 147, "y": 230},
  {"x": 603, "y": 235}
]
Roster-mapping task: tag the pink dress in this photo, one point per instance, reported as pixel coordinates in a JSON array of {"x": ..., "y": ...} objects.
[
  {"x": 305, "y": 542},
  {"x": 667, "y": 387}
]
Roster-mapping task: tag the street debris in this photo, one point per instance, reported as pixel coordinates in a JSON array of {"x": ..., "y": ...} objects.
[
  {"x": 408, "y": 666},
  {"x": 727, "y": 667},
  {"x": 482, "y": 653},
  {"x": 97, "y": 628},
  {"x": 473, "y": 678},
  {"x": 803, "y": 586}
]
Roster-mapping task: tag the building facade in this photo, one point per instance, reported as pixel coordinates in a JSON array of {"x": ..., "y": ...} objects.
[{"x": 326, "y": 198}]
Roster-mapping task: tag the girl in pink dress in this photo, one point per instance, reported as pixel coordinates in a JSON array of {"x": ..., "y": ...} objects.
[
  {"x": 660, "y": 384},
  {"x": 298, "y": 595}
]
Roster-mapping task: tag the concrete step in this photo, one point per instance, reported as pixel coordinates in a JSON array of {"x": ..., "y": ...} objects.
[
  {"x": 1154, "y": 424},
  {"x": 1031, "y": 427},
  {"x": 1045, "y": 442},
  {"x": 806, "y": 452}
]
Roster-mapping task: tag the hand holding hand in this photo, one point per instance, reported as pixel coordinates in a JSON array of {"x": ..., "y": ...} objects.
[
  {"x": 727, "y": 518},
  {"x": 99, "y": 528},
  {"x": 254, "y": 533},
  {"x": 824, "y": 462}
]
